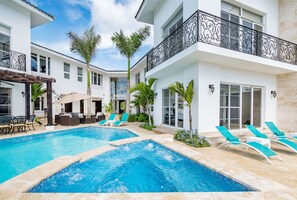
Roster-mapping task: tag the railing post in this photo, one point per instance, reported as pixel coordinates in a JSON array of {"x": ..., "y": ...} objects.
[
  {"x": 257, "y": 43},
  {"x": 198, "y": 25}
]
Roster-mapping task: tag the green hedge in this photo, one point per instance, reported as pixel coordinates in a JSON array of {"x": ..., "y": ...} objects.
[{"x": 141, "y": 117}]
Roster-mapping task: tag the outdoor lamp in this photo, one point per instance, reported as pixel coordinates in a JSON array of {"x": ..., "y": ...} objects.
[
  {"x": 23, "y": 93},
  {"x": 273, "y": 93},
  {"x": 211, "y": 88}
]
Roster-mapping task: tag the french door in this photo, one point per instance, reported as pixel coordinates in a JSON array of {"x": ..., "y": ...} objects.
[
  {"x": 240, "y": 105},
  {"x": 172, "y": 109}
]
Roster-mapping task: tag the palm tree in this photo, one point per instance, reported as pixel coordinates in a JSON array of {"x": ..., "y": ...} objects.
[
  {"x": 85, "y": 46},
  {"x": 186, "y": 94},
  {"x": 146, "y": 94},
  {"x": 36, "y": 92},
  {"x": 128, "y": 46}
]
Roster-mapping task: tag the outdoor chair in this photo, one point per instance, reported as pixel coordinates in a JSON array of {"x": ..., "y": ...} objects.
[
  {"x": 5, "y": 124},
  {"x": 30, "y": 122},
  {"x": 277, "y": 133},
  {"x": 232, "y": 140},
  {"x": 19, "y": 123},
  {"x": 109, "y": 120},
  {"x": 122, "y": 121},
  {"x": 67, "y": 120},
  {"x": 282, "y": 141}
]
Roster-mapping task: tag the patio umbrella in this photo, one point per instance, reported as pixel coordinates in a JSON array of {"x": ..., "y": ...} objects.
[{"x": 72, "y": 98}]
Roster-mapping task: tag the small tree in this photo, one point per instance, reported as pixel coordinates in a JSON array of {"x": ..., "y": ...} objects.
[
  {"x": 108, "y": 108},
  {"x": 187, "y": 95},
  {"x": 36, "y": 92},
  {"x": 128, "y": 46},
  {"x": 145, "y": 94},
  {"x": 85, "y": 46}
]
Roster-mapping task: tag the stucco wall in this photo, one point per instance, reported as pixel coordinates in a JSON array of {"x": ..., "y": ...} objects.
[{"x": 287, "y": 83}]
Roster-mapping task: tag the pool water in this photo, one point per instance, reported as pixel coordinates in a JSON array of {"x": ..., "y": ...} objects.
[
  {"x": 20, "y": 154},
  {"x": 138, "y": 167}
]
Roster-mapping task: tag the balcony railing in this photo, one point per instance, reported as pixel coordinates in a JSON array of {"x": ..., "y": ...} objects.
[
  {"x": 13, "y": 60},
  {"x": 213, "y": 30}
]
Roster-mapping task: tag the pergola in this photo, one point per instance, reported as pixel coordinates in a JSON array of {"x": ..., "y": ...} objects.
[{"x": 28, "y": 79}]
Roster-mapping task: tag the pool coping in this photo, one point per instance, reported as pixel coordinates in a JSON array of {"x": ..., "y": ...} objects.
[{"x": 16, "y": 187}]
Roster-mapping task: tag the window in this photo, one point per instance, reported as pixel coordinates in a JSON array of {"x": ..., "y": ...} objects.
[
  {"x": 79, "y": 74},
  {"x": 34, "y": 62},
  {"x": 5, "y": 101},
  {"x": 137, "y": 78},
  {"x": 174, "y": 23},
  {"x": 66, "y": 71},
  {"x": 42, "y": 63},
  {"x": 39, "y": 104},
  {"x": 4, "y": 50},
  {"x": 49, "y": 66},
  {"x": 96, "y": 79}
]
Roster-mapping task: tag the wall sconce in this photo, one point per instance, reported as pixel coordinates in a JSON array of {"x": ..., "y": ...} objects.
[
  {"x": 23, "y": 93},
  {"x": 211, "y": 88},
  {"x": 273, "y": 93},
  {"x": 155, "y": 95}
]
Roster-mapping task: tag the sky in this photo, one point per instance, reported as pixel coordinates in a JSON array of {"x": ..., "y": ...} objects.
[{"x": 107, "y": 16}]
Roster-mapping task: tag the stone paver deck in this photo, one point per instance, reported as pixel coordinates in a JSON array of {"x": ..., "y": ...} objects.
[{"x": 277, "y": 181}]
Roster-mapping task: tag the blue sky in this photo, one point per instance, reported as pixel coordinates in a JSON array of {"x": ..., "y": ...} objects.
[{"x": 108, "y": 16}]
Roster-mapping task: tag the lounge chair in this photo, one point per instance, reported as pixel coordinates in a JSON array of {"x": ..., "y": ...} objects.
[
  {"x": 122, "y": 121},
  {"x": 5, "y": 124},
  {"x": 19, "y": 123},
  {"x": 30, "y": 122},
  {"x": 105, "y": 122},
  {"x": 282, "y": 141},
  {"x": 276, "y": 132},
  {"x": 232, "y": 140}
]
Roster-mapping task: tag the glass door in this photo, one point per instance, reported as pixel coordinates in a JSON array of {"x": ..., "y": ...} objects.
[
  {"x": 257, "y": 107},
  {"x": 246, "y": 111},
  {"x": 5, "y": 101}
]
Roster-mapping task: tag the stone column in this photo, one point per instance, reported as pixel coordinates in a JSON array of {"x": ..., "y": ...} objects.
[{"x": 287, "y": 83}]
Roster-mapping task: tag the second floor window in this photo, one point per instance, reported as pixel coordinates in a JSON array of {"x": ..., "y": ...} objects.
[
  {"x": 66, "y": 71},
  {"x": 42, "y": 63},
  {"x": 137, "y": 78},
  {"x": 34, "y": 62},
  {"x": 96, "y": 78},
  {"x": 4, "y": 49},
  {"x": 79, "y": 74},
  {"x": 173, "y": 23}
]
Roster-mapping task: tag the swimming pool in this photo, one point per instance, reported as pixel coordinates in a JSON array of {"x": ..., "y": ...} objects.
[
  {"x": 20, "y": 154},
  {"x": 138, "y": 167}
]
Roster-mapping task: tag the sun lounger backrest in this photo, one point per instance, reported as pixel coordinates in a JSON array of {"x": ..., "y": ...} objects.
[
  {"x": 274, "y": 129},
  {"x": 256, "y": 132},
  {"x": 125, "y": 117},
  {"x": 226, "y": 133}
]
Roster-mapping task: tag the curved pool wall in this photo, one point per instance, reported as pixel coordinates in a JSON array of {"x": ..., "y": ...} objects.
[
  {"x": 136, "y": 168},
  {"x": 20, "y": 154}
]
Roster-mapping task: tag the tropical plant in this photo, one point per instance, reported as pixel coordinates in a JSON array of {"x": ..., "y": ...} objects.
[
  {"x": 108, "y": 108},
  {"x": 128, "y": 46},
  {"x": 37, "y": 91},
  {"x": 194, "y": 141},
  {"x": 123, "y": 105},
  {"x": 146, "y": 94},
  {"x": 85, "y": 46},
  {"x": 187, "y": 95},
  {"x": 138, "y": 102}
]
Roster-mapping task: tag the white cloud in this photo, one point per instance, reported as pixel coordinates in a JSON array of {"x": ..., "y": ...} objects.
[
  {"x": 108, "y": 17},
  {"x": 73, "y": 15}
]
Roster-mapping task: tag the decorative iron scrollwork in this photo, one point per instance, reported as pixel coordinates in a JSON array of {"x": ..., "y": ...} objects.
[{"x": 13, "y": 60}]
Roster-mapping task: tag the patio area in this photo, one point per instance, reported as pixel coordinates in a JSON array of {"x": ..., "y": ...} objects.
[{"x": 277, "y": 181}]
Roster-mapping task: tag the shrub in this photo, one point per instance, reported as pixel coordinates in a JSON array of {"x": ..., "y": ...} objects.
[
  {"x": 132, "y": 118},
  {"x": 147, "y": 126},
  {"x": 195, "y": 141},
  {"x": 140, "y": 117}
]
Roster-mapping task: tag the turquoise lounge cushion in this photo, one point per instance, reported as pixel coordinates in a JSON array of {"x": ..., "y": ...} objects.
[
  {"x": 274, "y": 129},
  {"x": 102, "y": 122},
  {"x": 256, "y": 132},
  {"x": 265, "y": 150},
  {"x": 289, "y": 143},
  {"x": 117, "y": 123},
  {"x": 231, "y": 138}
]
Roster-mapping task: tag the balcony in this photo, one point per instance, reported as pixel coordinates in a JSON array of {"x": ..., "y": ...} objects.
[
  {"x": 207, "y": 28},
  {"x": 13, "y": 60}
]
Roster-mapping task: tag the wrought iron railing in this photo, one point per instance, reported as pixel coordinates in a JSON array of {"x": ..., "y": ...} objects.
[
  {"x": 13, "y": 60},
  {"x": 213, "y": 30}
]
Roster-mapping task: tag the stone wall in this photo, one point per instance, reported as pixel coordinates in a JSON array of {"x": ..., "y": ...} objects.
[{"x": 287, "y": 83}]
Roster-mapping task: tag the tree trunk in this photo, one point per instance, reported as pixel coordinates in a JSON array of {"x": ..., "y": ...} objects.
[
  {"x": 89, "y": 100},
  {"x": 149, "y": 114},
  {"x": 128, "y": 89},
  {"x": 190, "y": 120}
]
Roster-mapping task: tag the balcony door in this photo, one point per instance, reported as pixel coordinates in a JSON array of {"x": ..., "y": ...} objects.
[
  {"x": 240, "y": 105},
  {"x": 4, "y": 50}
]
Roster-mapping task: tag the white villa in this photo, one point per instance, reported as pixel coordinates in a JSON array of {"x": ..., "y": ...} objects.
[
  {"x": 231, "y": 50},
  {"x": 243, "y": 72}
]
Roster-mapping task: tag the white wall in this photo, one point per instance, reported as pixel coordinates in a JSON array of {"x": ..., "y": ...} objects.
[
  {"x": 18, "y": 20},
  {"x": 209, "y": 104}
]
